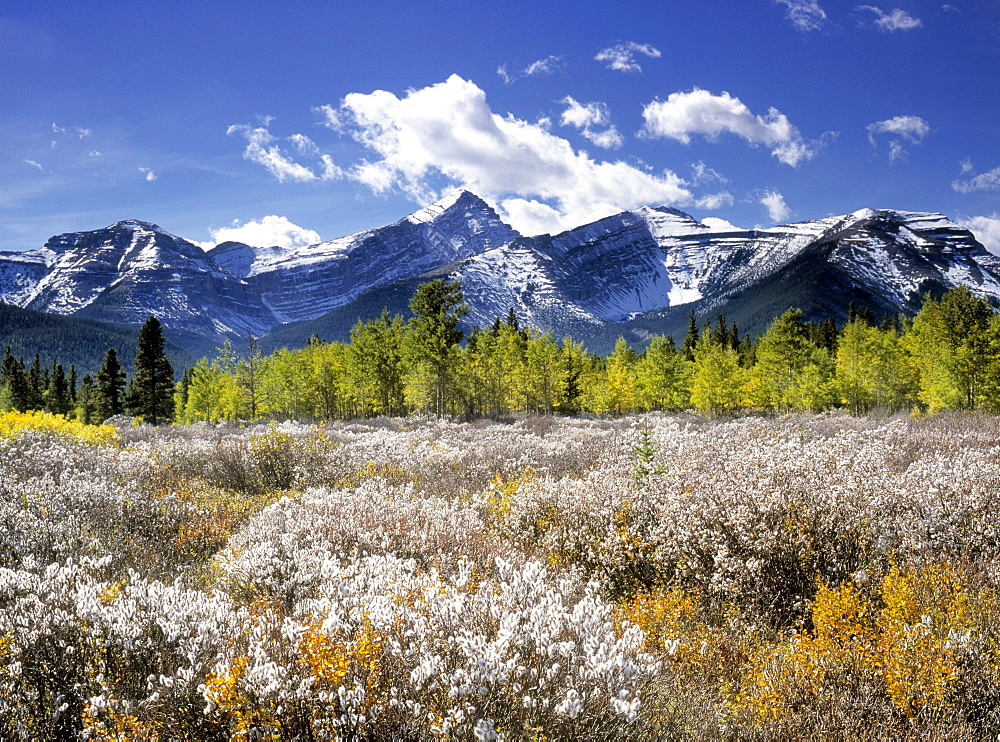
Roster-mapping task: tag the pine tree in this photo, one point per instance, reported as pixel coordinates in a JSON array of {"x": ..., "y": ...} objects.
[
  {"x": 85, "y": 399},
  {"x": 108, "y": 395},
  {"x": 56, "y": 394},
  {"x": 438, "y": 307},
  {"x": 13, "y": 382},
  {"x": 35, "y": 386},
  {"x": 72, "y": 385},
  {"x": 150, "y": 393},
  {"x": 691, "y": 339}
]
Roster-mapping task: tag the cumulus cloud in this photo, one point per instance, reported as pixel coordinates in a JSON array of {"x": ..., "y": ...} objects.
[
  {"x": 447, "y": 132},
  {"x": 33, "y": 163},
  {"x": 720, "y": 225},
  {"x": 989, "y": 181},
  {"x": 805, "y": 15},
  {"x": 594, "y": 122},
  {"x": 150, "y": 175},
  {"x": 911, "y": 128},
  {"x": 266, "y": 232},
  {"x": 701, "y": 112},
  {"x": 545, "y": 66},
  {"x": 622, "y": 57},
  {"x": 264, "y": 149},
  {"x": 897, "y": 20},
  {"x": 776, "y": 207},
  {"x": 715, "y": 200},
  {"x": 986, "y": 229}
]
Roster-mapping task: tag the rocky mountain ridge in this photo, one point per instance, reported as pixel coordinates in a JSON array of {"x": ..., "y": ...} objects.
[{"x": 634, "y": 272}]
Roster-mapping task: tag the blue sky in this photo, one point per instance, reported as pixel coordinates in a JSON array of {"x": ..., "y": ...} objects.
[{"x": 287, "y": 123}]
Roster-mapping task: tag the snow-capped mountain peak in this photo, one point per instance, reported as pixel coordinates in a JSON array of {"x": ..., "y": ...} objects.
[{"x": 646, "y": 262}]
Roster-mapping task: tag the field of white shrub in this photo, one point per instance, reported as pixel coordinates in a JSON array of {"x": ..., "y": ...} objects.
[{"x": 662, "y": 576}]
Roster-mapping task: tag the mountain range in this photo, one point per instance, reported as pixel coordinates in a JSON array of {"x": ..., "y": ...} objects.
[{"x": 634, "y": 274}]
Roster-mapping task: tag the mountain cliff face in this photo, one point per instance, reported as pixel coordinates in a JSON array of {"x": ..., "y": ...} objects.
[{"x": 636, "y": 272}]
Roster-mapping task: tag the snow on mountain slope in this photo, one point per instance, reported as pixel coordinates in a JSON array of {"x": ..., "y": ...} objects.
[
  {"x": 611, "y": 271},
  {"x": 302, "y": 283}
]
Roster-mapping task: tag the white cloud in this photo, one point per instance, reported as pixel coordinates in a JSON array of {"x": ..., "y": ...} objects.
[
  {"x": 805, "y": 15},
  {"x": 776, "y": 207},
  {"x": 587, "y": 116},
  {"x": 94, "y": 153},
  {"x": 720, "y": 225},
  {"x": 911, "y": 128},
  {"x": 543, "y": 66},
  {"x": 621, "y": 57},
  {"x": 715, "y": 200},
  {"x": 547, "y": 66},
  {"x": 897, "y": 20},
  {"x": 150, "y": 175},
  {"x": 331, "y": 117},
  {"x": 989, "y": 181},
  {"x": 34, "y": 164},
  {"x": 447, "y": 132},
  {"x": 986, "y": 229},
  {"x": 263, "y": 150},
  {"x": 269, "y": 231},
  {"x": 967, "y": 166},
  {"x": 701, "y": 112},
  {"x": 702, "y": 173},
  {"x": 78, "y": 132}
]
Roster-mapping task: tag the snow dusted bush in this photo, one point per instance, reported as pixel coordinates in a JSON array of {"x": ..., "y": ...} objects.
[{"x": 428, "y": 579}]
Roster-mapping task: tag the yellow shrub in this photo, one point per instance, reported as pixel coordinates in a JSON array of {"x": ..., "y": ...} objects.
[
  {"x": 906, "y": 651},
  {"x": 924, "y": 612},
  {"x": 337, "y": 659},
  {"x": 501, "y": 493},
  {"x": 14, "y": 424}
]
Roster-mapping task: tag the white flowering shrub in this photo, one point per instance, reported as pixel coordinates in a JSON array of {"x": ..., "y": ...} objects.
[{"x": 423, "y": 579}]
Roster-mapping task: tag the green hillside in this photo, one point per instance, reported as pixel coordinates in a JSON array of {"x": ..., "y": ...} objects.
[{"x": 82, "y": 342}]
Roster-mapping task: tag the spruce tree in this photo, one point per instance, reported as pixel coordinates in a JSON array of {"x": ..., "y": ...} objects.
[
  {"x": 691, "y": 339},
  {"x": 13, "y": 382},
  {"x": 85, "y": 397},
  {"x": 57, "y": 399},
  {"x": 150, "y": 393},
  {"x": 35, "y": 386},
  {"x": 438, "y": 307},
  {"x": 108, "y": 394}
]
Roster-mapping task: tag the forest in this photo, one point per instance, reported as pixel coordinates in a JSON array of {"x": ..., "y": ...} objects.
[{"x": 947, "y": 357}]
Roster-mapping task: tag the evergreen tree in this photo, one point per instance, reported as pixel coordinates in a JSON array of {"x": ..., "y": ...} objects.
[
  {"x": 691, "y": 339},
  {"x": 57, "y": 400},
  {"x": 437, "y": 309},
  {"x": 108, "y": 397},
  {"x": 35, "y": 388},
  {"x": 13, "y": 382},
  {"x": 72, "y": 385},
  {"x": 85, "y": 397},
  {"x": 150, "y": 393}
]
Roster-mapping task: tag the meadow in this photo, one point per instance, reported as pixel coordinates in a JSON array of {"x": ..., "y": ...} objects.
[{"x": 662, "y": 576}]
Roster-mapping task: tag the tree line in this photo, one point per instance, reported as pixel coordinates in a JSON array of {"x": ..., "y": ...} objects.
[
  {"x": 946, "y": 357},
  {"x": 148, "y": 393}
]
